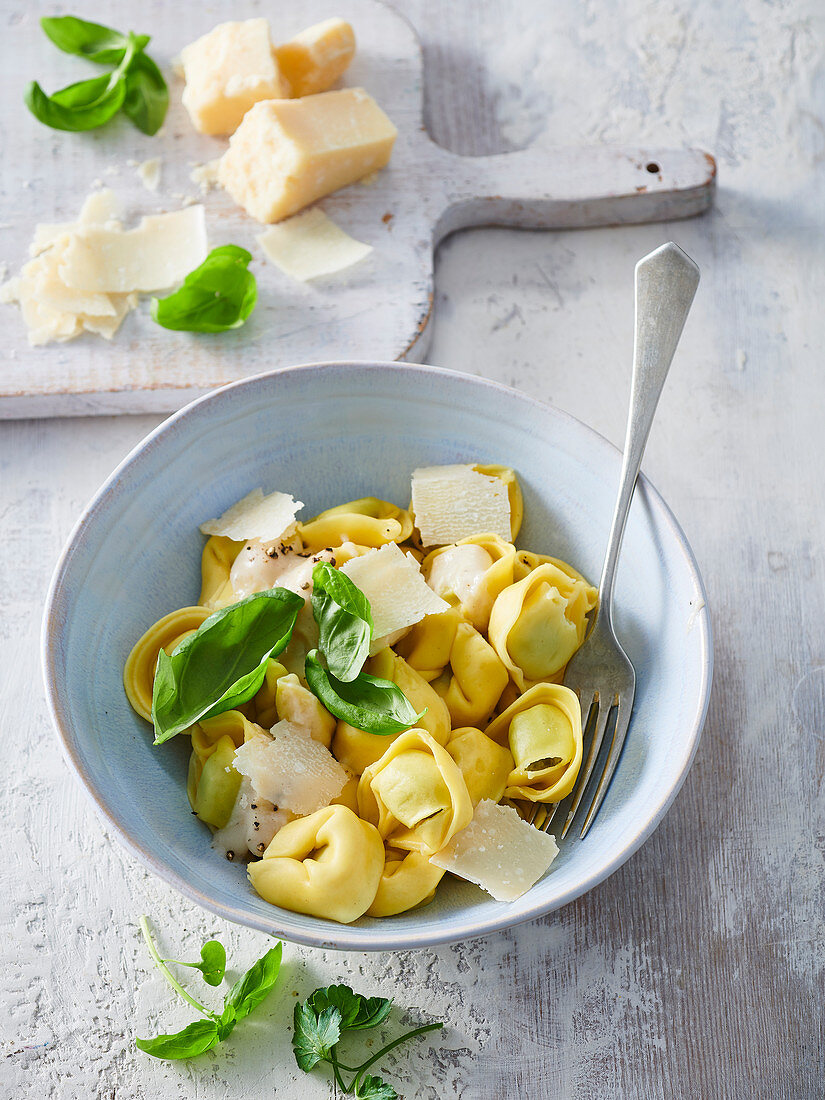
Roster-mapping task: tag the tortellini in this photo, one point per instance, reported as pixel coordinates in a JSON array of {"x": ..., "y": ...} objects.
[
  {"x": 212, "y": 783},
  {"x": 508, "y": 476},
  {"x": 216, "y": 564},
  {"x": 370, "y": 522},
  {"x": 471, "y": 573},
  {"x": 543, "y": 729},
  {"x": 415, "y": 794},
  {"x": 407, "y": 882},
  {"x": 475, "y": 680},
  {"x": 295, "y": 703},
  {"x": 356, "y": 749},
  {"x": 328, "y": 864},
  {"x": 485, "y": 765},
  {"x": 538, "y": 623},
  {"x": 167, "y": 633}
]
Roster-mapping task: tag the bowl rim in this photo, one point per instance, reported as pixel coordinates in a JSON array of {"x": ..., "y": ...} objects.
[{"x": 348, "y": 937}]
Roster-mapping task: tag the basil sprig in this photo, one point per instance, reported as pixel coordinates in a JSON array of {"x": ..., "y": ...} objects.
[
  {"x": 217, "y": 296},
  {"x": 367, "y": 702},
  {"x": 244, "y": 996},
  {"x": 135, "y": 86},
  {"x": 223, "y": 663},
  {"x": 344, "y": 619}
]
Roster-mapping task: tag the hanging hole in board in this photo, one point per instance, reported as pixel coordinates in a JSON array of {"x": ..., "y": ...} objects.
[{"x": 653, "y": 167}]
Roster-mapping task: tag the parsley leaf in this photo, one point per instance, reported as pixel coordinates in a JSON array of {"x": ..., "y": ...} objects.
[
  {"x": 344, "y": 619},
  {"x": 367, "y": 702},
  {"x": 315, "y": 1034},
  {"x": 358, "y": 1013},
  {"x": 215, "y": 297},
  {"x": 374, "y": 1088}
]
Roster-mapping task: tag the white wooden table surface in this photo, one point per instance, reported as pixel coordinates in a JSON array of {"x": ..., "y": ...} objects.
[{"x": 696, "y": 971}]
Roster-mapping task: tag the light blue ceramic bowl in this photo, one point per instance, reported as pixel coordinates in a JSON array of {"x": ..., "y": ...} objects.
[{"x": 329, "y": 433}]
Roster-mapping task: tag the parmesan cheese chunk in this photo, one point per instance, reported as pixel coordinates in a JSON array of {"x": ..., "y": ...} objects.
[
  {"x": 149, "y": 173},
  {"x": 314, "y": 59},
  {"x": 226, "y": 72},
  {"x": 398, "y": 594},
  {"x": 289, "y": 152},
  {"x": 310, "y": 245},
  {"x": 291, "y": 770},
  {"x": 498, "y": 851},
  {"x": 160, "y": 252},
  {"x": 256, "y": 517},
  {"x": 453, "y": 502}
]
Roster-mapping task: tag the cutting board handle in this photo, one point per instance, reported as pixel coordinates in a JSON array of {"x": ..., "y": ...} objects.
[{"x": 570, "y": 188}]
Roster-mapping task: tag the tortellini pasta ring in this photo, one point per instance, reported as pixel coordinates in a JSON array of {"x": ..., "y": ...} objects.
[
  {"x": 415, "y": 794},
  {"x": 508, "y": 476},
  {"x": 538, "y": 623},
  {"x": 408, "y": 881},
  {"x": 478, "y": 678},
  {"x": 167, "y": 633},
  {"x": 328, "y": 864},
  {"x": 526, "y": 561},
  {"x": 544, "y": 731},
  {"x": 428, "y": 644},
  {"x": 213, "y": 784},
  {"x": 368, "y": 521},
  {"x": 484, "y": 763},
  {"x": 232, "y": 723},
  {"x": 217, "y": 559},
  {"x": 295, "y": 703},
  {"x": 476, "y": 605}
]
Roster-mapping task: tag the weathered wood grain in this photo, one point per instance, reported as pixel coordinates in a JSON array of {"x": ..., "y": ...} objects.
[{"x": 696, "y": 971}]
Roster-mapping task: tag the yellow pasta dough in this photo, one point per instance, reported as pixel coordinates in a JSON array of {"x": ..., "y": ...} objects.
[
  {"x": 543, "y": 729},
  {"x": 485, "y": 765},
  {"x": 356, "y": 749},
  {"x": 476, "y": 680},
  {"x": 217, "y": 559},
  {"x": 369, "y": 522},
  {"x": 328, "y": 864},
  {"x": 295, "y": 703},
  {"x": 508, "y": 476},
  {"x": 415, "y": 794},
  {"x": 538, "y": 623},
  {"x": 166, "y": 634},
  {"x": 477, "y": 597},
  {"x": 407, "y": 882}
]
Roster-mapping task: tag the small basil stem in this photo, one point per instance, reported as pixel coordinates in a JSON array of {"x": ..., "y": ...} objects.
[
  {"x": 167, "y": 973},
  {"x": 390, "y": 1046}
]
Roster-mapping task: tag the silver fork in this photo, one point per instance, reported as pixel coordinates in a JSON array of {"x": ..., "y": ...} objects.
[{"x": 601, "y": 673}]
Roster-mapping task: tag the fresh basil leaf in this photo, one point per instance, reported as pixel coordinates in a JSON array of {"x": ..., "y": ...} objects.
[
  {"x": 90, "y": 40},
  {"x": 374, "y": 1088},
  {"x": 147, "y": 96},
  {"x": 215, "y": 297},
  {"x": 368, "y": 703},
  {"x": 315, "y": 1034},
  {"x": 223, "y": 663},
  {"x": 86, "y": 105},
  {"x": 344, "y": 619},
  {"x": 249, "y": 990},
  {"x": 199, "y": 1036},
  {"x": 357, "y": 1012},
  {"x": 212, "y": 965}
]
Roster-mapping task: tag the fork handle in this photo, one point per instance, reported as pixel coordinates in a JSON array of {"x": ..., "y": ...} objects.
[{"x": 666, "y": 282}]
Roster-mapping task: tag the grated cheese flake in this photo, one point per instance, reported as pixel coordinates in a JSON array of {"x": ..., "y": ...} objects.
[
  {"x": 290, "y": 769},
  {"x": 149, "y": 173},
  {"x": 398, "y": 594},
  {"x": 256, "y": 517},
  {"x": 310, "y": 245},
  {"x": 160, "y": 252},
  {"x": 454, "y": 502},
  {"x": 499, "y": 852}
]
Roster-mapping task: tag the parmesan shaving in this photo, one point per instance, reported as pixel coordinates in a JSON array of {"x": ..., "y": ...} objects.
[
  {"x": 253, "y": 823},
  {"x": 498, "y": 851},
  {"x": 256, "y": 517},
  {"x": 291, "y": 770},
  {"x": 310, "y": 245},
  {"x": 205, "y": 175},
  {"x": 149, "y": 173},
  {"x": 160, "y": 252},
  {"x": 100, "y": 208},
  {"x": 454, "y": 502},
  {"x": 398, "y": 594}
]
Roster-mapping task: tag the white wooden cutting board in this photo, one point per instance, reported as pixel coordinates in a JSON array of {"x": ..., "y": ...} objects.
[{"x": 380, "y": 309}]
